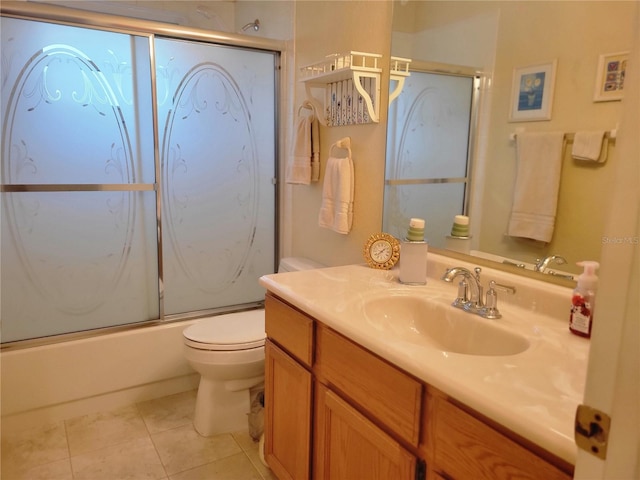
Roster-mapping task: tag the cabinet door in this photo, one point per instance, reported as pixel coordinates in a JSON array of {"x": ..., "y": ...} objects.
[
  {"x": 287, "y": 415},
  {"x": 465, "y": 448},
  {"x": 349, "y": 446}
]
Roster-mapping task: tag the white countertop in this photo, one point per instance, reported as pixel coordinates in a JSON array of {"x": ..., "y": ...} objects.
[{"x": 534, "y": 393}]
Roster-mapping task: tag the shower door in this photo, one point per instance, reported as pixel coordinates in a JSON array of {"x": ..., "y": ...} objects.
[
  {"x": 137, "y": 178},
  {"x": 217, "y": 119},
  {"x": 429, "y": 132}
]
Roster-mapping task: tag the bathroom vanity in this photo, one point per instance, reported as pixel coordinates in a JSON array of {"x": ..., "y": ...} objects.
[{"x": 357, "y": 387}]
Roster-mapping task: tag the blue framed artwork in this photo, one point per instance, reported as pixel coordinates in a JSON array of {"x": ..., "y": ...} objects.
[{"x": 532, "y": 92}]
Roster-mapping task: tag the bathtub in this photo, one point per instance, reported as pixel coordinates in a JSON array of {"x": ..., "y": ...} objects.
[{"x": 54, "y": 382}]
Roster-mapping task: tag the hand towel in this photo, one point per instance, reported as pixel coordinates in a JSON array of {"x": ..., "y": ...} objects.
[
  {"x": 336, "y": 211},
  {"x": 315, "y": 149},
  {"x": 590, "y": 146},
  {"x": 299, "y": 166},
  {"x": 535, "y": 195}
]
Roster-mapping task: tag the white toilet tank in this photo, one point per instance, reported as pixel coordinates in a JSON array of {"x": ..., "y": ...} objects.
[{"x": 294, "y": 264}]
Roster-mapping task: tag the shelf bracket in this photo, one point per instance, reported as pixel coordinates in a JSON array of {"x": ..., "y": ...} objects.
[
  {"x": 373, "y": 105},
  {"x": 399, "y": 71}
]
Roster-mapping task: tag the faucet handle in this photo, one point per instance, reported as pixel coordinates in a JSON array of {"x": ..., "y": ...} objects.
[
  {"x": 463, "y": 294},
  {"x": 505, "y": 288},
  {"x": 491, "y": 305}
]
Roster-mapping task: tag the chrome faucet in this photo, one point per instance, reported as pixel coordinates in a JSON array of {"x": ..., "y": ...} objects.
[
  {"x": 542, "y": 264},
  {"x": 471, "y": 282}
]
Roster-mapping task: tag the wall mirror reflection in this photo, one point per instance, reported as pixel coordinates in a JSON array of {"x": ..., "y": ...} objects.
[{"x": 491, "y": 43}]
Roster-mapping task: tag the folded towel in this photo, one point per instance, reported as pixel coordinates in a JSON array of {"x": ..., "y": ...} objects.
[
  {"x": 299, "y": 166},
  {"x": 590, "y": 146},
  {"x": 535, "y": 195},
  {"x": 315, "y": 149},
  {"x": 336, "y": 211}
]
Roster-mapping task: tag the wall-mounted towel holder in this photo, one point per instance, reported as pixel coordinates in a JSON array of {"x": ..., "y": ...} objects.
[
  {"x": 308, "y": 106},
  {"x": 344, "y": 143},
  {"x": 610, "y": 135}
]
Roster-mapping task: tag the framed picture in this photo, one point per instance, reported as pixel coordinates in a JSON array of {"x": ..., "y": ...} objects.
[
  {"x": 610, "y": 77},
  {"x": 532, "y": 92}
]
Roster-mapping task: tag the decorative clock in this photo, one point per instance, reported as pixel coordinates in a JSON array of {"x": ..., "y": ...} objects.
[{"x": 382, "y": 251}]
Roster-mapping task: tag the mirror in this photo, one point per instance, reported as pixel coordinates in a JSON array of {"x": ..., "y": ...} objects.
[{"x": 493, "y": 39}]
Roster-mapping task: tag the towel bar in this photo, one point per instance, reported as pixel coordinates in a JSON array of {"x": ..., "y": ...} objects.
[{"x": 610, "y": 135}]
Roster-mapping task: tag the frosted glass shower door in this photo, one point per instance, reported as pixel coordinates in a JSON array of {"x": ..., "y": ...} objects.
[
  {"x": 427, "y": 154},
  {"x": 216, "y": 109},
  {"x": 79, "y": 244}
]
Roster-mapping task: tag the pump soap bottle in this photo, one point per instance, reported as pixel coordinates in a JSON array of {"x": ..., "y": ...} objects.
[
  {"x": 413, "y": 254},
  {"x": 583, "y": 300}
]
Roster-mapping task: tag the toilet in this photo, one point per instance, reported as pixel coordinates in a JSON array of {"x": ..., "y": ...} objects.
[{"x": 228, "y": 353}]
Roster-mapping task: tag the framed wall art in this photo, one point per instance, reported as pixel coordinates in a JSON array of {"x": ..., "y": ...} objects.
[
  {"x": 610, "y": 77},
  {"x": 532, "y": 92}
]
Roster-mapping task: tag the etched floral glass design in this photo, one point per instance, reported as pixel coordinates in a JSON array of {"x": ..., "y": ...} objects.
[
  {"x": 79, "y": 232},
  {"x": 216, "y": 113},
  {"x": 427, "y": 153}
]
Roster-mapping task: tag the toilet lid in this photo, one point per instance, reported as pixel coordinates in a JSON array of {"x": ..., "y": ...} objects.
[{"x": 234, "y": 331}]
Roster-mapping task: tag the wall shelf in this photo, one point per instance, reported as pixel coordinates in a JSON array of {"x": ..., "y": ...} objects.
[
  {"x": 398, "y": 72},
  {"x": 351, "y": 88}
]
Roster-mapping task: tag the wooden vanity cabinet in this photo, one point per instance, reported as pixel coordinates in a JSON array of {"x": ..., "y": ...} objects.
[
  {"x": 288, "y": 390},
  {"x": 347, "y": 445},
  {"x": 334, "y": 410},
  {"x": 462, "y": 446}
]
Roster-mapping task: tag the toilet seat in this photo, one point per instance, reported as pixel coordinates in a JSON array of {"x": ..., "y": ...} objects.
[{"x": 236, "y": 331}]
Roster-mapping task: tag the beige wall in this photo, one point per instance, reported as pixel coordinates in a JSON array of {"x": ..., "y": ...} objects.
[
  {"x": 496, "y": 37},
  {"x": 322, "y": 28},
  {"x": 574, "y": 33}
]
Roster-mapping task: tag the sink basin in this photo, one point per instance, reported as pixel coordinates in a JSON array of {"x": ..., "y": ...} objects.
[{"x": 437, "y": 324}]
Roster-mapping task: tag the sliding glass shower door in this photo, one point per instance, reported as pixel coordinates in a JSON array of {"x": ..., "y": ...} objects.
[
  {"x": 217, "y": 120},
  {"x": 94, "y": 168},
  {"x": 429, "y": 134}
]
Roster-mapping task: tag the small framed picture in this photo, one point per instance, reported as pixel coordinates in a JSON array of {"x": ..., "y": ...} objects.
[
  {"x": 532, "y": 92},
  {"x": 610, "y": 77}
]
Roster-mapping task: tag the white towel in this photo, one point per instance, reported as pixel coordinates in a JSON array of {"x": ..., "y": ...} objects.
[
  {"x": 535, "y": 195},
  {"x": 299, "y": 166},
  {"x": 315, "y": 149},
  {"x": 336, "y": 211},
  {"x": 590, "y": 146}
]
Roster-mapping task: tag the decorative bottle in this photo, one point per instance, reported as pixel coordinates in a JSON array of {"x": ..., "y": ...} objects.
[{"x": 583, "y": 300}]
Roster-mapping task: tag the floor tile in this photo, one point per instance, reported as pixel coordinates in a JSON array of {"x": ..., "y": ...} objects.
[
  {"x": 23, "y": 451},
  {"x": 250, "y": 448},
  {"x": 150, "y": 440},
  {"x": 168, "y": 412},
  {"x": 131, "y": 460},
  {"x": 100, "y": 430},
  {"x": 235, "y": 467},
  {"x": 183, "y": 448},
  {"x": 59, "y": 470}
]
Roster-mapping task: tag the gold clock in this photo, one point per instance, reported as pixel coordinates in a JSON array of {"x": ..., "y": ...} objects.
[{"x": 382, "y": 251}]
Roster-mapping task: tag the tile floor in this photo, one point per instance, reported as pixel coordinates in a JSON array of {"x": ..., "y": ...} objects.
[{"x": 146, "y": 441}]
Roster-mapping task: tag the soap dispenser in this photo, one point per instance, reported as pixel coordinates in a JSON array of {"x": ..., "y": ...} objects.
[
  {"x": 583, "y": 300},
  {"x": 413, "y": 254}
]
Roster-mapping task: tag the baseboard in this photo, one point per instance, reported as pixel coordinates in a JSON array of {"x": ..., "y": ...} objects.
[{"x": 108, "y": 401}]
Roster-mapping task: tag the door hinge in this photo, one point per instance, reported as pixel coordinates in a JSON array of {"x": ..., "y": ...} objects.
[
  {"x": 421, "y": 470},
  {"x": 592, "y": 428}
]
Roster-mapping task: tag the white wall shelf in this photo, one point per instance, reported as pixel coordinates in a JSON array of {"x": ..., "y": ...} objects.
[
  {"x": 351, "y": 88},
  {"x": 398, "y": 72}
]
